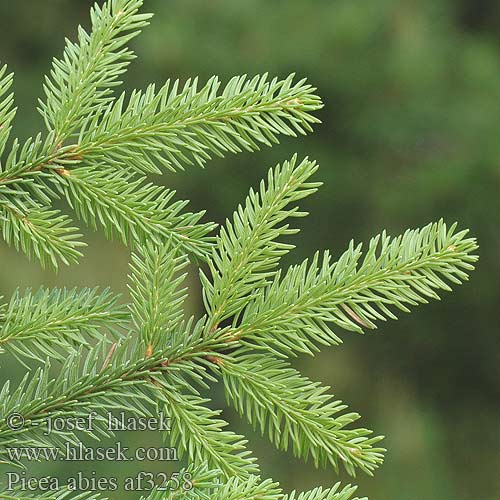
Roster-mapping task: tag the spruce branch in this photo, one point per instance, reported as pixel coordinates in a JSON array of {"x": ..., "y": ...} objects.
[
  {"x": 247, "y": 251},
  {"x": 7, "y": 111},
  {"x": 235, "y": 488},
  {"x": 200, "y": 482},
  {"x": 96, "y": 154},
  {"x": 91, "y": 380},
  {"x": 132, "y": 376},
  {"x": 51, "y": 322},
  {"x": 85, "y": 383},
  {"x": 251, "y": 488},
  {"x": 200, "y": 434},
  {"x": 291, "y": 409},
  {"x": 207, "y": 486},
  {"x": 80, "y": 84},
  {"x": 294, "y": 312},
  {"x": 335, "y": 493},
  {"x": 157, "y": 299},
  {"x": 254, "y": 488},
  {"x": 177, "y": 126},
  {"x": 133, "y": 210},
  {"x": 98, "y": 146},
  {"x": 42, "y": 234}
]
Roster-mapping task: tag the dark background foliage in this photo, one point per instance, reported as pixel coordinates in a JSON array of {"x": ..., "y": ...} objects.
[{"x": 410, "y": 134}]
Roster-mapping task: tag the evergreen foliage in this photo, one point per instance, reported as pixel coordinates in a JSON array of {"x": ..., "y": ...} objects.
[
  {"x": 98, "y": 146},
  {"x": 148, "y": 357}
]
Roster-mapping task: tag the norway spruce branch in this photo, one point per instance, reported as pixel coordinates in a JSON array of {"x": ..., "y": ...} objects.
[
  {"x": 133, "y": 210},
  {"x": 208, "y": 486},
  {"x": 247, "y": 248},
  {"x": 7, "y": 110},
  {"x": 96, "y": 154},
  {"x": 201, "y": 435},
  {"x": 98, "y": 145},
  {"x": 336, "y": 493},
  {"x": 194, "y": 482},
  {"x": 251, "y": 488},
  {"x": 255, "y": 488},
  {"x": 415, "y": 256},
  {"x": 294, "y": 313},
  {"x": 122, "y": 377},
  {"x": 167, "y": 370},
  {"x": 157, "y": 297},
  {"x": 42, "y": 234},
  {"x": 293, "y": 410},
  {"x": 87, "y": 382},
  {"x": 81, "y": 83},
  {"x": 49, "y": 323},
  {"x": 176, "y": 126}
]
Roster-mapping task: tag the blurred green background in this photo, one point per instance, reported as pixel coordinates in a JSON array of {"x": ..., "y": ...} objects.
[{"x": 410, "y": 134}]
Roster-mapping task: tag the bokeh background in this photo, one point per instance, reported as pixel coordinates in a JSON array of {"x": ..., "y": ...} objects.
[{"x": 410, "y": 134}]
